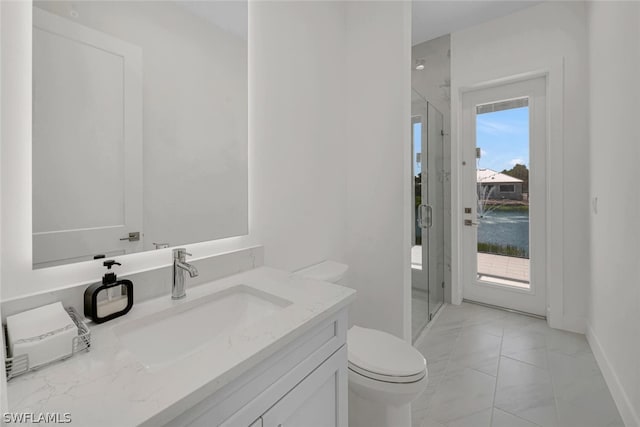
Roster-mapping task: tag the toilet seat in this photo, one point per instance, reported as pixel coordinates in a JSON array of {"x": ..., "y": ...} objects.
[
  {"x": 383, "y": 357},
  {"x": 385, "y": 378}
]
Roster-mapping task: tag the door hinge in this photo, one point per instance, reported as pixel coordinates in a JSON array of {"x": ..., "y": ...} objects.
[
  {"x": 442, "y": 132},
  {"x": 430, "y": 317},
  {"x": 442, "y": 285}
]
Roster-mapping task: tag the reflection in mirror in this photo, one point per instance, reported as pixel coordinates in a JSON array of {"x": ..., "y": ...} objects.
[{"x": 139, "y": 126}]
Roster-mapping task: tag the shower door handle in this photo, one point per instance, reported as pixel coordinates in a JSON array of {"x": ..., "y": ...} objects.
[{"x": 425, "y": 221}]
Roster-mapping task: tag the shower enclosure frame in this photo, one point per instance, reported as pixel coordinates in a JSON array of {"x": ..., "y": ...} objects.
[{"x": 428, "y": 258}]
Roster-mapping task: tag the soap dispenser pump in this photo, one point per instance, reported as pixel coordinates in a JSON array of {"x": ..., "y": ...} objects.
[{"x": 110, "y": 298}]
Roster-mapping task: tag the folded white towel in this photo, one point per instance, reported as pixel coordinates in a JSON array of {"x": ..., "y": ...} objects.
[{"x": 44, "y": 334}]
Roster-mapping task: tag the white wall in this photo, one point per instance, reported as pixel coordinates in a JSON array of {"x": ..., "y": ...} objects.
[
  {"x": 379, "y": 202},
  {"x": 614, "y": 309},
  {"x": 3, "y": 106},
  {"x": 549, "y": 37},
  {"x": 297, "y": 116},
  {"x": 431, "y": 81}
]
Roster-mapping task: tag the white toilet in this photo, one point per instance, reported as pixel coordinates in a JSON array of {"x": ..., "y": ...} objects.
[{"x": 385, "y": 373}]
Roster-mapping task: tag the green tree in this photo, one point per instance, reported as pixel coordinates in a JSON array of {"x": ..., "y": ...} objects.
[{"x": 521, "y": 172}]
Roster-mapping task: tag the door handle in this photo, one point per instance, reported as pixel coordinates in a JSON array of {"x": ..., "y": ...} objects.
[
  {"x": 469, "y": 223},
  {"x": 429, "y": 216},
  {"x": 425, "y": 221},
  {"x": 133, "y": 237}
]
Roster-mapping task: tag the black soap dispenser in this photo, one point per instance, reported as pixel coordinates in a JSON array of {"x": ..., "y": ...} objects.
[{"x": 110, "y": 298}]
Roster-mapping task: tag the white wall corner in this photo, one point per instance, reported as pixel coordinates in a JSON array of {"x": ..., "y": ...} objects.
[
  {"x": 620, "y": 397},
  {"x": 378, "y": 243},
  {"x": 456, "y": 188},
  {"x": 407, "y": 167},
  {"x": 4, "y": 405},
  {"x": 573, "y": 324}
]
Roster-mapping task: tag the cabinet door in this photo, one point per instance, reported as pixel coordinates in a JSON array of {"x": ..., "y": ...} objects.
[{"x": 319, "y": 400}]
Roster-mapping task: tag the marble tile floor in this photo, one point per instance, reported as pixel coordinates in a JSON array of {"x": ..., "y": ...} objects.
[{"x": 491, "y": 368}]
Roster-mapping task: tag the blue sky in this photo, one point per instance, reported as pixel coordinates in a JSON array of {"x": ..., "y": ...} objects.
[
  {"x": 503, "y": 137},
  {"x": 417, "y": 135}
]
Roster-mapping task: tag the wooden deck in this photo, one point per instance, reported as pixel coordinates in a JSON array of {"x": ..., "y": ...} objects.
[{"x": 503, "y": 270}]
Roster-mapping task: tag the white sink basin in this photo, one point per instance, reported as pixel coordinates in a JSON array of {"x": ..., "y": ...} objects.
[{"x": 169, "y": 335}]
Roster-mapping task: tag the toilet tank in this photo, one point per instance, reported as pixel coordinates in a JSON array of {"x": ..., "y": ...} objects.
[{"x": 327, "y": 271}]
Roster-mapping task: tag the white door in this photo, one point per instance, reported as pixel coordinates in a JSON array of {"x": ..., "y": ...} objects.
[
  {"x": 504, "y": 146},
  {"x": 87, "y": 142}
]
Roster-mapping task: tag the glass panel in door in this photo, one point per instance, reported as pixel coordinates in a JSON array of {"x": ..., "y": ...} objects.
[
  {"x": 427, "y": 254},
  {"x": 419, "y": 279},
  {"x": 502, "y": 146},
  {"x": 435, "y": 198}
]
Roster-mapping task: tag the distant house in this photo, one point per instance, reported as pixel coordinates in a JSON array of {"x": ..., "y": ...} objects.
[{"x": 498, "y": 186}]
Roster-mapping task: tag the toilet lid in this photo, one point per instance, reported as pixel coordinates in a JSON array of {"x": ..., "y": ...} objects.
[{"x": 384, "y": 357}]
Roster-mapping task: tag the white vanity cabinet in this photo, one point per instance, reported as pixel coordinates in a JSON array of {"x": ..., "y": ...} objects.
[
  {"x": 303, "y": 384},
  {"x": 316, "y": 400}
]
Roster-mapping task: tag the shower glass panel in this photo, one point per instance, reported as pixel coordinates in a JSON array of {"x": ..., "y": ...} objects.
[{"x": 427, "y": 252}]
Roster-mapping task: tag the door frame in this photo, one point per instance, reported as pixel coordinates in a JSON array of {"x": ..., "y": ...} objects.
[
  {"x": 532, "y": 300},
  {"x": 553, "y": 71}
]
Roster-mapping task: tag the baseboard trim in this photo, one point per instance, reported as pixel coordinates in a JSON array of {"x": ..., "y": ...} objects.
[
  {"x": 510, "y": 310},
  {"x": 620, "y": 397},
  {"x": 574, "y": 324}
]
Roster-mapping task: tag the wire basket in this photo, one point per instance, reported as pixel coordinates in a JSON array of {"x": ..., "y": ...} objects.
[{"x": 19, "y": 364}]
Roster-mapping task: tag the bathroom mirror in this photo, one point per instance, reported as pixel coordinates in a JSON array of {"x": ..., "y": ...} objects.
[{"x": 139, "y": 126}]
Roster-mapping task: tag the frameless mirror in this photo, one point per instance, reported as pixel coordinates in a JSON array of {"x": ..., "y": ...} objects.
[{"x": 139, "y": 126}]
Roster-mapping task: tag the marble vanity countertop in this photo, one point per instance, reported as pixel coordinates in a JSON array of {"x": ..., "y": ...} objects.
[{"x": 108, "y": 386}]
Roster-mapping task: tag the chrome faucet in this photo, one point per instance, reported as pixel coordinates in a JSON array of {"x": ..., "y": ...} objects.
[{"x": 179, "y": 268}]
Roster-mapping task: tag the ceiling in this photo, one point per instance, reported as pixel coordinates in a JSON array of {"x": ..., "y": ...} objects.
[
  {"x": 432, "y": 19},
  {"x": 228, "y": 15}
]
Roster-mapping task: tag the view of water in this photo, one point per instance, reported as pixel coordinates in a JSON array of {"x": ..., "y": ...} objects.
[{"x": 505, "y": 228}]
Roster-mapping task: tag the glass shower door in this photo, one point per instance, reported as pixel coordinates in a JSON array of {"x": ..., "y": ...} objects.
[
  {"x": 435, "y": 198},
  {"x": 427, "y": 252}
]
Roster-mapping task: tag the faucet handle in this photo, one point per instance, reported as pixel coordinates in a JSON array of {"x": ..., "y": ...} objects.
[{"x": 180, "y": 253}]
